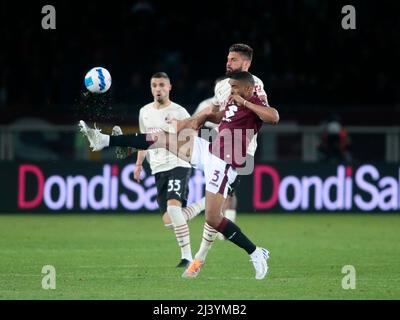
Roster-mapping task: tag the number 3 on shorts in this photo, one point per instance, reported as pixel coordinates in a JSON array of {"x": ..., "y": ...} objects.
[
  {"x": 216, "y": 175},
  {"x": 171, "y": 184}
]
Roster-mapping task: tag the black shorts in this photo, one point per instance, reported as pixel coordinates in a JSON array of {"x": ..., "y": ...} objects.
[{"x": 172, "y": 184}]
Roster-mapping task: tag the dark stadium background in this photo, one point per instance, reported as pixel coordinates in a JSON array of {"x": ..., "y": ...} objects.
[{"x": 310, "y": 66}]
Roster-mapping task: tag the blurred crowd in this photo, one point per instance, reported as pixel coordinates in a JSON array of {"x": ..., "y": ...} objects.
[{"x": 301, "y": 52}]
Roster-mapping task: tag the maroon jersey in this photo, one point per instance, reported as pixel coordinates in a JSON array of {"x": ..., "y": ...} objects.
[{"x": 235, "y": 132}]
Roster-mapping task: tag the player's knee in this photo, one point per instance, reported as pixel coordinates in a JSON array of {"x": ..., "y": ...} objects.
[
  {"x": 211, "y": 223},
  {"x": 166, "y": 219},
  {"x": 174, "y": 202},
  {"x": 213, "y": 220}
]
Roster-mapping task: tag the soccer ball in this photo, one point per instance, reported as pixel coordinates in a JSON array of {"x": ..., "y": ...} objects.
[{"x": 98, "y": 80}]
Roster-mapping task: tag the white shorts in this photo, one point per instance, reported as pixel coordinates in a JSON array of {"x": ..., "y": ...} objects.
[{"x": 217, "y": 173}]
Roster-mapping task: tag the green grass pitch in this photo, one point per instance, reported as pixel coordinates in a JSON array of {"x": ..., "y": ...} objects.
[{"x": 129, "y": 256}]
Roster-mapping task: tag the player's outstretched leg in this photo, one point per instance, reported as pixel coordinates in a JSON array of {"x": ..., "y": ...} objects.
[
  {"x": 181, "y": 145},
  {"x": 97, "y": 140},
  {"x": 120, "y": 152}
]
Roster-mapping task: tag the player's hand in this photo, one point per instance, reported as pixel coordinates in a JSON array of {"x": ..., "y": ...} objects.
[
  {"x": 236, "y": 99},
  {"x": 173, "y": 123},
  {"x": 178, "y": 125},
  {"x": 136, "y": 173},
  {"x": 170, "y": 119}
]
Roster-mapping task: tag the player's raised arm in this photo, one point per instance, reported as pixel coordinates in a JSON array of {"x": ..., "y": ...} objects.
[
  {"x": 215, "y": 115},
  {"x": 242, "y": 89},
  {"x": 266, "y": 113},
  {"x": 210, "y": 113}
]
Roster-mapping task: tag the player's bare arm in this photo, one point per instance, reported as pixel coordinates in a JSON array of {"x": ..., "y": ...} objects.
[
  {"x": 267, "y": 114},
  {"x": 215, "y": 115},
  {"x": 211, "y": 113},
  {"x": 188, "y": 123},
  {"x": 139, "y": 164}
]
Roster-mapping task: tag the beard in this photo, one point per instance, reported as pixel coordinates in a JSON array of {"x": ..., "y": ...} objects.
[
  {"x": 161, "y": 99},
  {"x": 229, "y": 72}
]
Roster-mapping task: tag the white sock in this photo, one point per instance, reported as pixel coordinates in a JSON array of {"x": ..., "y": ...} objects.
[
  {"x": 230, "y": 214},
  {"x": 181, "y": 231},
  {"x": 194, "y": 209},
  {"x": 209, "y": 235},
  {"x": 169, "y": 225}
]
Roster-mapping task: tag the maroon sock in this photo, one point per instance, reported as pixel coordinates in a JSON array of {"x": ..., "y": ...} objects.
[{"x": 233, "y": 233}]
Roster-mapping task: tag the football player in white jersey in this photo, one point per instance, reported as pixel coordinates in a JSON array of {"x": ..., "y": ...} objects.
[
  {"x": 171, "y": 173},
  {"x": 205, "y": 104}
]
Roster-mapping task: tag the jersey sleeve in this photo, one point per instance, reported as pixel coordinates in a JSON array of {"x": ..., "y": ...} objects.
[
  {"x": 260, "y": 92},
  {"x": 215, "y": 100},
  {"x": 142, "y": 127}
]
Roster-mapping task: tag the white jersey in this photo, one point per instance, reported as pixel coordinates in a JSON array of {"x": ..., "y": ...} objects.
[
  {"x": 222, "y": 92},
  {"x": 153, "y": 120},
  {"x": 204, "y": 104}
]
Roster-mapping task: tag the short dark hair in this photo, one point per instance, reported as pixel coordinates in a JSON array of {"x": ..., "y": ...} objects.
[
  {"x": 243, "y": 76},
  {"x": 243, "y": 49},
  {"x": 159, "y": 75}
]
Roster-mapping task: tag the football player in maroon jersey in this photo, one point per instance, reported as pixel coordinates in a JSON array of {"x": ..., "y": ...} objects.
[{"x": 245, "y": 113}]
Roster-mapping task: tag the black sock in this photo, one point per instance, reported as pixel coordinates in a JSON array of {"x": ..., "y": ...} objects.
[
  {"x": 233, "y": 233},
  {"x": 137, "y": 140}
]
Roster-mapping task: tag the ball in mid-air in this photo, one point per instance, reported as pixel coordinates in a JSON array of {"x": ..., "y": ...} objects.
[{"x": 98, "y": 80}]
